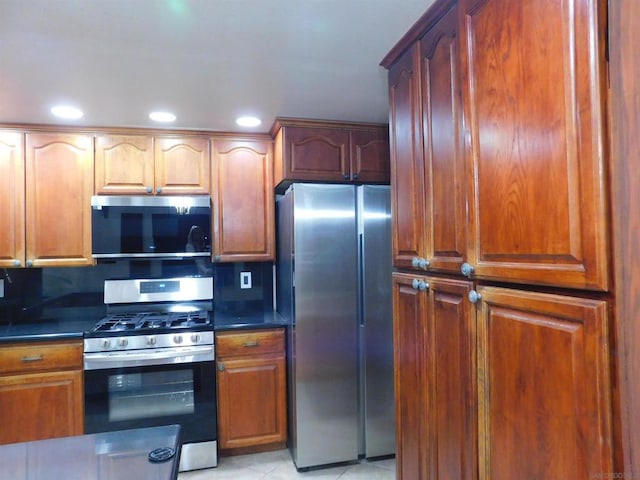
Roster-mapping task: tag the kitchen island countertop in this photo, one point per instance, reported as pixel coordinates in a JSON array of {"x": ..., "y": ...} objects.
[{"x": 100, "y": 456}]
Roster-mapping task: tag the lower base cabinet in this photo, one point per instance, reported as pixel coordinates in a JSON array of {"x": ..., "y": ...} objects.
[
  {"x": 251, "y": 379},
  {"x": 516, "y": 385},
  {"x": 41, "y": 391}
]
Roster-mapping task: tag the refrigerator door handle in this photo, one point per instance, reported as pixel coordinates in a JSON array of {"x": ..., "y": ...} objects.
[{"x": 361, "y": 303}]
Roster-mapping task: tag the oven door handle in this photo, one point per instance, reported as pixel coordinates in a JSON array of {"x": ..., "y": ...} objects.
[{"x": 124, "y": 359}]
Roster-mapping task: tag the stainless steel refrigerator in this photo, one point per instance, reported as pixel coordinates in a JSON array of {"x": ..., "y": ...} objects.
[{"x": 334, "y": 285}]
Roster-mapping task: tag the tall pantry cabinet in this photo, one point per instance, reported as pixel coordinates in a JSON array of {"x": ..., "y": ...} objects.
[{"x": 498, "y": 163}]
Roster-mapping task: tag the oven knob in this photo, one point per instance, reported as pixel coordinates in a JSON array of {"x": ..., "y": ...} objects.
[
  {"x": 177, "y": 339},
  {"x": 195, "y": 338},
  {"x": 123, "y": 342},
  {"x": 151, "y": 340},
  {"x": 106, "y": 343}
]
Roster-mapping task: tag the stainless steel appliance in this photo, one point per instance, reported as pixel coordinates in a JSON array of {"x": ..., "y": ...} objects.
[
  {"x": 334, "y": 285},
  {"x": 150, "y": 362},
  {"x": 150, "y": 226}
]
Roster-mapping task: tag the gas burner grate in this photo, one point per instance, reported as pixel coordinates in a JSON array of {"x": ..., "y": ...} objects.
[{"x": 150, "y": 321}]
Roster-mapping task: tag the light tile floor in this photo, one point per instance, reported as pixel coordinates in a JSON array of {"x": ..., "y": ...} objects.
[{"x": 278, "y": 465}]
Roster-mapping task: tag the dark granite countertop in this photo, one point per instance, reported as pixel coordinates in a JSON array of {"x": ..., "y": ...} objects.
[
  {"x": 227, "y": 321},
  {"x": 72, "y": 324},
  {"x": 50, "y": 324}
]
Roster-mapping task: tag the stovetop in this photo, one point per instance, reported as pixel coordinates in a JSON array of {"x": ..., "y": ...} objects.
[{"x": 141, "y": 323}]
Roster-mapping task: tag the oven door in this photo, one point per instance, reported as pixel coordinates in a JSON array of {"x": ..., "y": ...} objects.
[{"x": 121, "y": 398}]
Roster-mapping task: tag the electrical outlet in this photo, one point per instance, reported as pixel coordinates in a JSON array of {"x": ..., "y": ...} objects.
[
  {"x": 245, "y": 279},
  {"x": 1, "y": 288}
]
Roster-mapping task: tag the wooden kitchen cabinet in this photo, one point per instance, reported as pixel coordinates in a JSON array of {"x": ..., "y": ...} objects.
[
  {"x": 325, "y": 151},
  {"x": 434, "y": 332},
  {"x": 12, "y": 245},
  {"x": 544, "y": 386},
  {"x": 251, "y": 381},
  {"x": 145, "y": 165},
  {"x": 534, "y": 89},
  {"x": 243, "y": 205},
  {"x": 429, "y": 231},
  {"x": 41, "y": 391},
  {"x": 58, "y": 189}
]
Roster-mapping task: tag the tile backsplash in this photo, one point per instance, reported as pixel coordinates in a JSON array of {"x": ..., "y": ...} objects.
[{"x": 25, "y": 290}]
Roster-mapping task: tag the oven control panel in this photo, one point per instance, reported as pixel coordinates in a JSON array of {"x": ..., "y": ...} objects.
[{"x": 141, "y": 342}]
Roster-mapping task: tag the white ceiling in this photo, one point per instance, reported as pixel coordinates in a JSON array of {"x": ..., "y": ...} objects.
[{"x": 208, "y": 61}]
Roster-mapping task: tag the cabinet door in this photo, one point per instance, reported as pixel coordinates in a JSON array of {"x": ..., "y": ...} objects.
[
  {"x": 451, "y": 407},
  {"x": 59, "y": 184},
  {"x": 12, "y": 246},
  {"x": 543, "y": 380},
  {"x": 316, "y": 154},
  {"x": 182, "y": 166},
  {"x": 124, "y": 164},
  {"x": 407, "y": 169},
  {"x": 534, "y": 97},
  {"x": 445, "y": 204},
  {"x": 244, "y": 201},
  {"x": 369, "y": 159},
  {"x": 251, "y": 401},
  {"x": 38, "y": 406},
  {"x": 409, "y": 312}
]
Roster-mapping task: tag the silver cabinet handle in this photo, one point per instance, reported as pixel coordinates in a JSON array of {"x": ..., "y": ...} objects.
[
  {"x": 474, "y": 297},
  {"x": 255, "y": 343},
  {"x": 467, "y": 269},
  {"x": 35, "y": 358}
]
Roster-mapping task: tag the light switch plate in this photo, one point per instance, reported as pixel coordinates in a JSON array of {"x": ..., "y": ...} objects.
[{"x": 245, "y": 279}]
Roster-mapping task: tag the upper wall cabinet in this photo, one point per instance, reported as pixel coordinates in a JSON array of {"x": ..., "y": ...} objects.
[
  {"x": 59, "y": 181},
  {"x": 323, "y": 151},
  {"x": 144, "y": 165},
  {"x": 407, "y": 166},
  {"x": 12, "y": 246},
  {"x": 534, "y": 93},
  {"x": 243, "y": 202}
]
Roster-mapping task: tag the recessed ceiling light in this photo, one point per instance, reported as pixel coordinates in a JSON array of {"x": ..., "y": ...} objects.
[
  {"x": 162, "y": 116},
  {"x": 248, "y": 121},
  {"x": 67, "y": 112}
]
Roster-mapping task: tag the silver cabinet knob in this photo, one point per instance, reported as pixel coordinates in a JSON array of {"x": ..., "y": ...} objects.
[
  {"x": 16, "y": 263},
  {"x": 29, "y": 263},
  {"x": 474, "y": 297},
  {"x": 159, "y": 190},
  {"x": 419, "y": 262},
  {"x": 419, "y": 284},
  {"x": 149, "y": 189},
  {"x": 467, "y": 269},
  {"x": 221, "y": 367}
]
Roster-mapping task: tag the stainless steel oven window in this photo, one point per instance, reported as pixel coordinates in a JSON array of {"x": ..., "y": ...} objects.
[{"x": 150, "y": 394}]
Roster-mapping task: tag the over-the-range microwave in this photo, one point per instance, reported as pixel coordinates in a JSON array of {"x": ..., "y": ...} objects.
[{"x": 150, "y": 226}]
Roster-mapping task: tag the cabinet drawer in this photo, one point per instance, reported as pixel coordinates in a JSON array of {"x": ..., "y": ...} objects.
[
  {"x": 249, "y": 342},
  {"x": 40, "y": 356}
]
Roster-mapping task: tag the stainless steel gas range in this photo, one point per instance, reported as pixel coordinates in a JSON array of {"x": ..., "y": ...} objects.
[{"x": 150, "y": 362}]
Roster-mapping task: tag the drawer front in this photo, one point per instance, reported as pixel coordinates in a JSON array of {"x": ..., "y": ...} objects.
[
  {"x": 249, "y": 342},
  {"x": 31, "y": 357}
]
